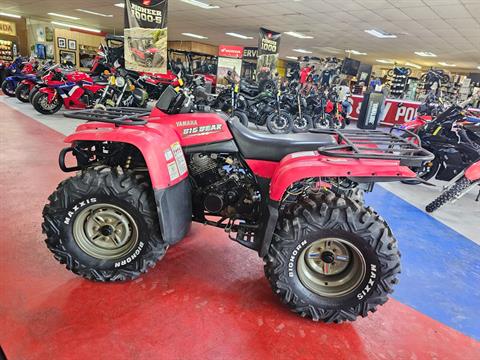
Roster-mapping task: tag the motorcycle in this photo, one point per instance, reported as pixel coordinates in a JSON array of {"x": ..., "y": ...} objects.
[
  {"x": 122, "y": 90},
  {"x": 296, "y": 105},
  {"x": 264, "y": 110},
  {"x": 75, "y": 91},
  {"x": 18, "y": 70},
  {"x": 22, "y": 92}
]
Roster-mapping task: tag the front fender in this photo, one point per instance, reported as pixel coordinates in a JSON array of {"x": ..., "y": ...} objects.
[
  {"x": 51, "y": 93},
  {"x": 166, "y": 165},
  {"x": 311, "y": 164}
]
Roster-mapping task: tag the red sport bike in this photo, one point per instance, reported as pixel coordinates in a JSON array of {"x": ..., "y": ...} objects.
[
  {"x": 142, "y": 178},
  {"x": 74, "y": 90}
]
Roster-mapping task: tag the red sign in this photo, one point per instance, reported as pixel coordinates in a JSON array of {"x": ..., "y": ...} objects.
[
  {"x": 395, "y": 112},
  {"x": 230, "y": 51}
]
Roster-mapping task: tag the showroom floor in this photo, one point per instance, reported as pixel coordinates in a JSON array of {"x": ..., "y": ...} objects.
[{"x": 208, "y": 299}]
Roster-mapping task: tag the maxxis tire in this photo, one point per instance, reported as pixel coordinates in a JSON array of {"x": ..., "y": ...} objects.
[
  {"x": 242, "y": 117},
  {"x": 271, "y": 125},
  {"x": 7, "y": 90},
  {"x": 308, "y": 126},
  {"x": 36, "y": 104},
  {"x": 21, "y": 91},
  {"x": 112, "y": 186},
  {"x": 324, "y": 214},
  {"x": 449, "y": 195}
]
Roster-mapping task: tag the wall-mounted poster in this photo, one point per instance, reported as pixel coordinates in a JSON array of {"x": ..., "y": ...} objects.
[
  {"x": 68, "y": 58},
  {"x": 40, "y": 33},
  {"x": 40, "y": 51},
  {"x": 62, "y": 43},
  {"x": 268, "y": 48},
  {"x": 229, "y": 65},
  {"x": 72, "y": 44},
  {"x": 146, "y": 35},
  {"x": 48, "y": 34}
]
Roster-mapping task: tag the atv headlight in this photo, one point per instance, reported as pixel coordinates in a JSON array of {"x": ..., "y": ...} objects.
[{"x": 120, "y": 81}]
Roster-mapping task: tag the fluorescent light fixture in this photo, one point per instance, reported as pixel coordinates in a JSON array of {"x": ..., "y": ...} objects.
[
  {"x": 303, "y": 51},
  {"x": 10, "y": 15},
  {"x": 292, "y": 57},
  {"x": 298, "y": 35},
  {"x": 425, "y": 54},
  {"x": 238, "y": 35},
  {"x": 94, "y": 13},
  {"x": 195, "y": 36},
  {"x": 76, "y": 27},
  {"x": 64, "y": 16},
  {"x": 355, "y": 52},
  {"x": 380, "y": 34},
  {"x": 413, "y": 65},
  {"x": 120, "y": 5},
  {"x": 200, "y": 4},
  {"x": 385, "y": 61},
  {"x": 478, "y": 67},
  {"x": 447, "y": 64}
]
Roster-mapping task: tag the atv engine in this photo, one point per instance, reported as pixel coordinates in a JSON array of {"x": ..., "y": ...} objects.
[{"x": 223, "y": 187}]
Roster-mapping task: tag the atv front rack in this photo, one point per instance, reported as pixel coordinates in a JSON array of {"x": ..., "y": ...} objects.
[
  {"x": 376, "y": 144},
  {"x": 117, "y": 115}
]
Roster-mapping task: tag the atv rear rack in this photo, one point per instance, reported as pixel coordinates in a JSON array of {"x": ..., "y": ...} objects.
[
  {"x": 116, "y": 115},
  {"x": 375, "y": 144}
]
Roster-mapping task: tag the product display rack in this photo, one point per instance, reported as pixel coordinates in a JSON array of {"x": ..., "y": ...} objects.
[{"x": 7, "y": 50}]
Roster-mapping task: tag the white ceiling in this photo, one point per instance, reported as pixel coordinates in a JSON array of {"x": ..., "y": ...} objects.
[{"x": 448, "y": 28}]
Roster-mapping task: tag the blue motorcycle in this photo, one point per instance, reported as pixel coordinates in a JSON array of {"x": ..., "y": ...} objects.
[{"x": 20, "y": 69}]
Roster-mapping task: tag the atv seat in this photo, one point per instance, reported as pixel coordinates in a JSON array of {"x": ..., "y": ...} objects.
[{"x": 259, "y": 146}]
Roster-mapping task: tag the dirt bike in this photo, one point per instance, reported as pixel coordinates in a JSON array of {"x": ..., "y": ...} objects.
[
  {"x": 296, "y": 105},
  {"x": 143, "y": 177},
  {"x": 77, "y": 91},
  {"x": 458, "y": 187}
]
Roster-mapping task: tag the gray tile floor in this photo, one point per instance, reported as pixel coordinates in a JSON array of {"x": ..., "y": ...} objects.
[{"x": 463, "y": 216}]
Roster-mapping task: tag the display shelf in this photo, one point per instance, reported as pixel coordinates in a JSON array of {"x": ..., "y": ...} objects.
[{"x": 7, "y": 50}]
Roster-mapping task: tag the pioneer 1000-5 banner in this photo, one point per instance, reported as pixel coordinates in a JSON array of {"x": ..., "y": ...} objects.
[{"x": 146, "y": 35}]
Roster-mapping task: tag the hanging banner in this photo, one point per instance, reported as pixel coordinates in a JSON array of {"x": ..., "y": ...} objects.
[
  {"x": 230, "y": 51},
  {"x": 268, "y": 48},
  {"x": 146, "y": 35}
]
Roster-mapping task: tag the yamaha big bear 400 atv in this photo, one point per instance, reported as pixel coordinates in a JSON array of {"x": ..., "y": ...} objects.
[{"x": 143, "y": 177}]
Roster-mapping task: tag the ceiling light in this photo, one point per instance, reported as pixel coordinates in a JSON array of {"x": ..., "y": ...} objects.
[
  {"x": 384, "y": 61},
  {"x": 64, "y": 16},
  {"x": 478, "y": 67},
  {"x": 380, "y": 34},
  {"x": 10, "y": 15},
  {"x": 302, "y": 51},
  {"x": 195, "y": 36},
  {"x": 292, "y": 57},
  {"x": 425, "y": 54},
  {"x": 238, "y": 35},
  {"x": 120, "y": 5},
  {"x": 298, "y": 35},
  {"x": 355, "y": 52},
  {"x": 413, "y": 65},
  {"x": 76, "y": 27},
  {"x": 200, "y": 4},
  {"x": 447, "y": 64},
  {"x": 94, "y": 13}
]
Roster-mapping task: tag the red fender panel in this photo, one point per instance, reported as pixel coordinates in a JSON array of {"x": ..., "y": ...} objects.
[
  {"x": 160, "y": 148},
  {"x": 473, "y": 172},
  {"x": 51, "y": 92},
  {"x": 298, "y": 166}
]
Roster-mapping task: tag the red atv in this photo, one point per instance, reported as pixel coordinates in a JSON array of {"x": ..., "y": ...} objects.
[{"x": 144, "y": 177}]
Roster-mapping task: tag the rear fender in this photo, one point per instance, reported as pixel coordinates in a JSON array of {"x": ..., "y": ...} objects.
[
  {"x": 310, "y": 164},
  {"x": 51, "y": 93},
  {"x": 167, "y": 168},
  {"x": 473, "y": 172}
]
